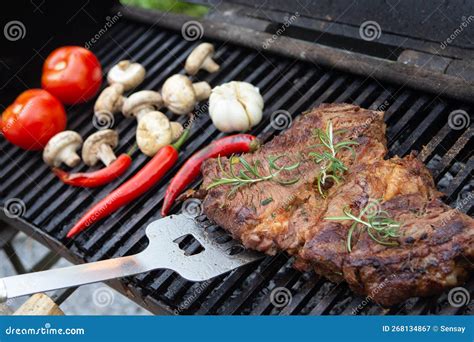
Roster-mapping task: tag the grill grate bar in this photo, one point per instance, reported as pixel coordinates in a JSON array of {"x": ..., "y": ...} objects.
[
  {"x": 138, "y": 37},
  {"x": 234, "y": 303},
  {"x": 395, "y": 130},
  {"x": 413, "y": 140},
  {"x": 119, "y": 32},
  {"x": 397, "y": 106},
  {"x": 382, "y": 101},
  {"x": 369, "y": 93},
  {"x": 450, "y": 156},
  {"x": 328, "y": 300},
  {"x": 322, "y": 83},
  {"x": 429, "y": 149},
  {"x": 228, "y": 285},
  {"x": 460, "y": 179},
  {"x": 349, "y": 92},
  {"x": 286, "y": 281},
  {"x": 302, "y": 296}
]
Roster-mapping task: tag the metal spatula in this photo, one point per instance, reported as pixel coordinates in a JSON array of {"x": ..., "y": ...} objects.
[{"x": 215, "y": 257}]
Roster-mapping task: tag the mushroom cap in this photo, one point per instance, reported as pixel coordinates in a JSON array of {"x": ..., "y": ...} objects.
[
  {"x": 153, "y": 132},
  {"x": 178, "y": 94},
  {"x": 126, "y": 73},
  {"x": 197, "y": 57},
  {"x": 109, "y": 100},
  {"x": 92, "y": 144},
  {"x": 140, "y": 99},
  {"x": 57, "y": 144}
]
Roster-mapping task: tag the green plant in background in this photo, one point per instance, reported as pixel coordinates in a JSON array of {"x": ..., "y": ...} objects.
[{"x": 169, "y": 6}]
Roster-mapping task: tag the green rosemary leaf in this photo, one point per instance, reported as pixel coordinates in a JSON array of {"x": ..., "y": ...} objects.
[
  {"x": 292, "y": 167},
  {"x": 380, "y": 227},
  {"x": 287, "y": 182},
  {"x": 250, "y": 173}
]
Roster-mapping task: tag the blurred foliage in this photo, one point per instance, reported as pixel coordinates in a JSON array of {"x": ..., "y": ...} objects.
[{"x": 169, "y": 6}]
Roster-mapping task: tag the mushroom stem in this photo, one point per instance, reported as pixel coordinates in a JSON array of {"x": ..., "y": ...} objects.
[
  {"x": 139, "y": 113},
  {"x": 124, "y": 64},
  {"x": 71, "y": 158},
  {"x": 209, "y": 65},
  {"x": 119, "y": 104},
  {"x": 202, "y": 90},
  {"x": 106, "y": 154}
]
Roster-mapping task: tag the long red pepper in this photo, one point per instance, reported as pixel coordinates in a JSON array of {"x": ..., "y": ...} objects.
[
  {"x": 143, "y": 180},
  {"x": 96, "y": 178},
  {"x": 238, "y": 143}
]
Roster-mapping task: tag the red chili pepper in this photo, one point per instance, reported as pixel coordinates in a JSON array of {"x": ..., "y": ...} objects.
[
  {"x": 225, "y": 146},
  {"x": 143, "y": 180},
  {"x": 96, "y": 178}
]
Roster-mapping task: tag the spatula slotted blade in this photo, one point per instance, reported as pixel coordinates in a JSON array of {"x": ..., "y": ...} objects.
[
  {"x": 215, "y": 258},
  {"x": 215, "y": 254}
]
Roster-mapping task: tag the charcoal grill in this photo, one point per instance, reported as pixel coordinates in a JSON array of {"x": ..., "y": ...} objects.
[{"x": 416, "y": 120}]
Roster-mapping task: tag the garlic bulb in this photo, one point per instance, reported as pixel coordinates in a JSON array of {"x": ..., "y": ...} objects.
[{"x": 235, "y": 106}]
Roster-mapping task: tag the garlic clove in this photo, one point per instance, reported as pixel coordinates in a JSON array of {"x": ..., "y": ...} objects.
[
  {"x": 229, "y": 115},
  {"x": 254, "y": 113},
  {"x": 250, "y": 96}
]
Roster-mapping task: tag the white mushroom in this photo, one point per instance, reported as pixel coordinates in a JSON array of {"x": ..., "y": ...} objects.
[
  {"x": 201, "y": 58},
  {"x": 100, "y": 146},
  {"x": 62, "y": 149},
  {"x": 180, "y": 95},
  {"x": 129, "y": 74},
  {"x": 142, "y": 102},
  {"x": 153, "y": 132},
  {"x": 110, "y": 101},
  {"x": 154, "y": 129},
  {"x": 235, "y": 106}
]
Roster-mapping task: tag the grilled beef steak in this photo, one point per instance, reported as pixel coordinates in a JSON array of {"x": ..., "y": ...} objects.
[
  {"x": 270, "y": 217},
  {"x": 431, "y": 250}
]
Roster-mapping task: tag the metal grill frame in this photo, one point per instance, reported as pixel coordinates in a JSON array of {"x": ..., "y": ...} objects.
[{"x": 286, "y": 84}]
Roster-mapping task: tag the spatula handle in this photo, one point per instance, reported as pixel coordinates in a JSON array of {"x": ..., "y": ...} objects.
[{"x": 44, "y": 281}]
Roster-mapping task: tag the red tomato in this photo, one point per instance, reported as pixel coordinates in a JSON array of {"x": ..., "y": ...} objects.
[
  {"x": 72, "y": 73},
  {"x": 32, "y": 119}
]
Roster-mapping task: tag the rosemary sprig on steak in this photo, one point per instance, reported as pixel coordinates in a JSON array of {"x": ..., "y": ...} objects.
[
  {"x": 331, "y": 167},
  {"x": 249, "y": 173},
  {"x": 379, "y": 226}
]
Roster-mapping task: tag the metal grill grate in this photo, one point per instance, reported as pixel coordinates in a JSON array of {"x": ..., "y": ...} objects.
[{"x": 414, "y": 120}]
